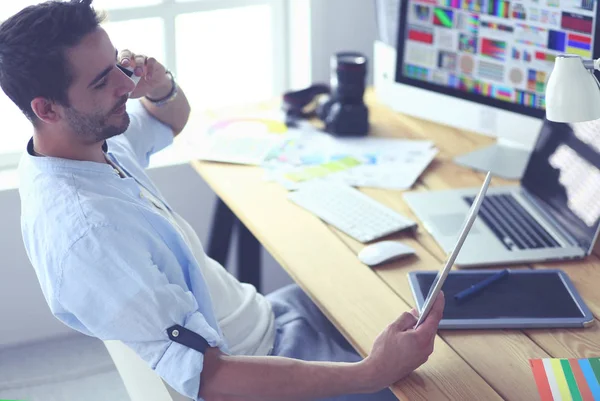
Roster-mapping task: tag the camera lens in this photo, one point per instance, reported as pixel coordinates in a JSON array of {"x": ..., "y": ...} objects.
[{"x": 348, "y": 76}]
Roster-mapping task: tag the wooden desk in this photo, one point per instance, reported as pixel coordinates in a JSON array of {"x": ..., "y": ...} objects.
[{"x": 466, "y": 365}]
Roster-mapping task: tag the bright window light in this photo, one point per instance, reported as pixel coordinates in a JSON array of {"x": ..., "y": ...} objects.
[
  {"x": 218, "y": 65},
  {"x": 119, "y": 4},
  {"x": 151, "y": 43}
]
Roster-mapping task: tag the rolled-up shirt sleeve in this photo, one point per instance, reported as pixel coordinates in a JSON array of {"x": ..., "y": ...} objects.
[
  {"x": 146, "y": 134},
  {"x": 118, "y": 293}
]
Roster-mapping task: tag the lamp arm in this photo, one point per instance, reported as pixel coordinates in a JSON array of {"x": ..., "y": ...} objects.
[{"x": 591, "y": 64}]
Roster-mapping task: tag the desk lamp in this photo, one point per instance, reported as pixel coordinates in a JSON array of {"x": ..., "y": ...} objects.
[{"x": 572, "y": 91}]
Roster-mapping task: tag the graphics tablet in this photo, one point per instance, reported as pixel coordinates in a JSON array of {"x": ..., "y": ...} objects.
[{"x": 522, "y": 299}]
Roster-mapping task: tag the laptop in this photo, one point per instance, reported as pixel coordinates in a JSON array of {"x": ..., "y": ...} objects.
[{"x": 554, "y": 213}]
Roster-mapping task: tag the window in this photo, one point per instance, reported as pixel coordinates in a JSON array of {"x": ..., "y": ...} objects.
[
  {"x": 222, "y": 52},
  {"x": 208, "y": 47},
  {"x": 12, "y": 7},
  {"x": 120, "y": 4},
  {"x": 151, "y": 42},
  {"x": 16, "y": 129}
]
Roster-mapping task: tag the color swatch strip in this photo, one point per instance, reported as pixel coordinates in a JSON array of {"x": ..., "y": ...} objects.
[{"x": 567, "y": 379}]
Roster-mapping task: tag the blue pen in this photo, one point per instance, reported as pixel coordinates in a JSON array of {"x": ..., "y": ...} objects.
[{"x": 475, "y": 288}]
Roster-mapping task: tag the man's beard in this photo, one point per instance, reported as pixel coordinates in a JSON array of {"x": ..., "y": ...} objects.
[{"x": 94, "y": 128}]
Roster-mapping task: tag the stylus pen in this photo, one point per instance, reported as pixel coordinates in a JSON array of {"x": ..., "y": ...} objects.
[{"x": 475, "y": 288}]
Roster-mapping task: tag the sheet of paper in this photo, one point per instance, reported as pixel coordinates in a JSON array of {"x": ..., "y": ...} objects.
[
  {"x": 567, "y": 379},
  {"x": 293, "y": 155},
  {"x": 242, "y": 140},
  {"x": 399, "y": 174},
  {"x": 383, "y": 162},
  {"x": 314, "y": 147},
  {"x": 322, "y": 170}
]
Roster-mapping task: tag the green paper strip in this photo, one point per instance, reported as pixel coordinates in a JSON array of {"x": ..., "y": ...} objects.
[
  {"x": 571, "y": 382},
  {"x": 595, "y": 363}
]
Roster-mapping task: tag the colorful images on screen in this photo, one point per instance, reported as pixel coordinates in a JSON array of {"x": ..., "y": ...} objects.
[
  {"x": 498, "y": 49},
  {"x": 442, "y": 17},
  {"x": 497, "y": 26},
  {"x": 420, "y": 34},
  {"x": 447, "y": 61},
  {"x": 536, "y": 80},
  {"x": 498, "y": 8},
  {"x": 451, "y": 3},
  {"x": 587, "y": 5},
  {"x": 579, "y": 44},
  {"x": 576, "y": 22},
  {"x": 472, "y": 5},
  {"x": 557, "y": 41},
  {"x": 467, "y": 43},
  {"x": 529, "y": 99},
  {"x": 468, "y": 23},
  {"x": 543, "y": 56},
  {"x": 491, "y": 71},
  {"x": 519, "y": 12},
  {"x": 416, "y": 72},
  {"x": 422, "y": 12},
  {"x": 495, "y": 49}
]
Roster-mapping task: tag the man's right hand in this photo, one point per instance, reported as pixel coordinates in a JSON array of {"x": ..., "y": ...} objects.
[
  {"x": 397, "y": 351},
  {"x": 400, "y": 349}
]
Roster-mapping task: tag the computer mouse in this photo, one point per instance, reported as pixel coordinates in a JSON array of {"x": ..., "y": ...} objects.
[{"x": 384, "y": 251}]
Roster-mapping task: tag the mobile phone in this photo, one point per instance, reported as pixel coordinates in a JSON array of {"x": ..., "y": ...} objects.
[{"x": 130, "y": 73}]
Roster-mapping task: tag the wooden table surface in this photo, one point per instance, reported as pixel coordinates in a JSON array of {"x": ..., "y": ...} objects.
[{"x": 362, "y": 301}]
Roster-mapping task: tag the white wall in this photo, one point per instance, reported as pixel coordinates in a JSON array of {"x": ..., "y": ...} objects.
[
  {"x": 24, "y": 315},
  {"x": 335, "y": 25}
]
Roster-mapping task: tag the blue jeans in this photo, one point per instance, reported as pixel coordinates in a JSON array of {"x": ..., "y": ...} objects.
[{"x": 303, "y": 332}]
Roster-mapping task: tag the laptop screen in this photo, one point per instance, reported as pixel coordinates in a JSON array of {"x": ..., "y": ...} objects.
[{"x": 564, "y": 174}]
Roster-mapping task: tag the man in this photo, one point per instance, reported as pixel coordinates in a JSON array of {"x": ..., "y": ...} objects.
[{"x": 114, "y": 261}]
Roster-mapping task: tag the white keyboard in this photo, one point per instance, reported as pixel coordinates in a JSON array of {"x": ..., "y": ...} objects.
[{"x": 349, "y": 210}]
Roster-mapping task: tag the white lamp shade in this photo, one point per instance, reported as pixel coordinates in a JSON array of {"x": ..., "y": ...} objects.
[{"x": 572, "y": 92}]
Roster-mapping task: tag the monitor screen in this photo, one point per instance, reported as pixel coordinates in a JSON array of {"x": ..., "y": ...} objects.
[
  {"x": 563, "y": 174},
  {"x": 495, "y": 52}
]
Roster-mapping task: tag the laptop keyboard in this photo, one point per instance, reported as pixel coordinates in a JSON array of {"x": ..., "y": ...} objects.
[{"x": 512, "y": 224}]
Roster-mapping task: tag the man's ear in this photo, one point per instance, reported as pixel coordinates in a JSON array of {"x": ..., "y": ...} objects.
[{"x": 46, "y": 110}]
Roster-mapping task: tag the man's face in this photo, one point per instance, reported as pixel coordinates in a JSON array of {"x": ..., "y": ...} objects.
[{"x": 99, "y": 90}]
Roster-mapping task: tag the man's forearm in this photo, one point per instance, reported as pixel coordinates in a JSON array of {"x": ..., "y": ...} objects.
[
  {"x": 175, "y": 113},
  {"x": 279, "y": 379}
]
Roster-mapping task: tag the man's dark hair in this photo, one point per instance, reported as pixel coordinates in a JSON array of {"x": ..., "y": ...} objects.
[{"x": 33, "y": 46}]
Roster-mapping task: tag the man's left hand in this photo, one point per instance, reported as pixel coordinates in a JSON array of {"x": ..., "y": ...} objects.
[{"x": 154, "y": 81}]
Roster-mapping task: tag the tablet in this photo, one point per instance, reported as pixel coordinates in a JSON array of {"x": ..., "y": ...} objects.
[
  {"x": 522, "y": 299},
  {"x": 441, "y": 277}
]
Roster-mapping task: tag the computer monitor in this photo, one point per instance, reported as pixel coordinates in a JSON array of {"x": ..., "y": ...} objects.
[{"x": 482, "y": 66}]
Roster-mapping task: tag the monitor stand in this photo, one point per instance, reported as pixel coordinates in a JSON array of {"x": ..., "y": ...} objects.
[{"x": 502, "y": 159}]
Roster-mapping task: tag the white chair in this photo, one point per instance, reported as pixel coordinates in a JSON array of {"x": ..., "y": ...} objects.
[{"x": 141, "y": 382}]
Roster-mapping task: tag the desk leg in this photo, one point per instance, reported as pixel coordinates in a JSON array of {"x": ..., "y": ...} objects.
[
  {"x": 248, "y": 247},
  {"x": 221, "y": 229},
  {"x": 248, "y": 257}
]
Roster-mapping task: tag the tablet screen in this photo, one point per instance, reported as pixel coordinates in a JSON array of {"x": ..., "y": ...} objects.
[{"x": 535, "y": 294}]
